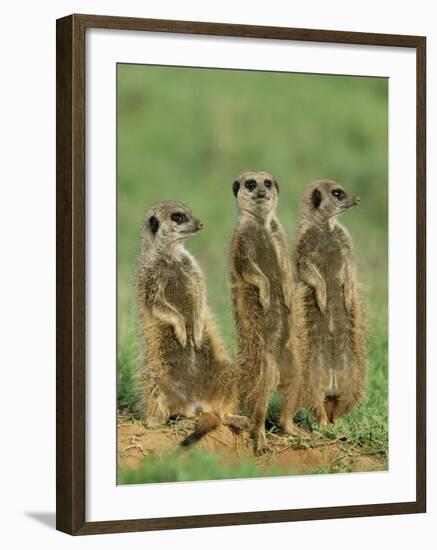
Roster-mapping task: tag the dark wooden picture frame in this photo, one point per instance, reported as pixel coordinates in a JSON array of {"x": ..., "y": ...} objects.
[{"x": 71, "y": 283}]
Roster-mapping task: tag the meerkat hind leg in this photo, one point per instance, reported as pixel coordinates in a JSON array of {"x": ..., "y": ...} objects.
[
  {"x": 158, "y": 413},
  {"x": 341, "y": 407},
  {"x": 321, "y": 415},
  {"x": 236, "y": 421},
  {"x": 289, "y": 388},
  {"x": 156, "y": 420},
  {"x": 290, "y": 428},
  {"x": 330, "y": 405},
  {"x": 259, "y": 411},
  {"x": 259, "y": 417},
  {"x": 163, "y": 403},
  {"x": 286, "y": 421},
  {"x": 258, "y": 420}
]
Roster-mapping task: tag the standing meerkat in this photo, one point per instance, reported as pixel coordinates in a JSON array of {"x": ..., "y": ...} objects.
[
  {"x": 185, "y": 370},
  {"x": 327, "y": 312},
  {"x": 261, "y": 286}
]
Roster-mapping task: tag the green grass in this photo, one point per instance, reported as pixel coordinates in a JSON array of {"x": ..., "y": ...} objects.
[
  {"x": 185, "y": 134},
  {"x": 193, "y": 466}
]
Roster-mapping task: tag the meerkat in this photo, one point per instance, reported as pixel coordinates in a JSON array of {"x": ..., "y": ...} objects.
[
  {"x": 327, "y": 311},
  {"x": 261, "y": 287},
  {"x": 185, "y": 370}
]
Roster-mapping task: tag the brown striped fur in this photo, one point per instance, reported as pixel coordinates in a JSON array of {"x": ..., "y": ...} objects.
[
  {"x": 327, "y": 310},
  {"x": 185, "y": 368},
  {"x": 261, "y": 284}
]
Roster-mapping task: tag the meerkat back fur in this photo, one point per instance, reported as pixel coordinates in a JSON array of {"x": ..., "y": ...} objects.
[
  {"x": 327, "y": 310},
  {"x": 185, "y": 367},
  {"x": 261, "y": 286}
]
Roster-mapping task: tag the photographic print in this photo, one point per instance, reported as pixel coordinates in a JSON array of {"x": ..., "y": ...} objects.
[
  {"x": 252, "y": 274},
  {"x": 240, "y": 274}
]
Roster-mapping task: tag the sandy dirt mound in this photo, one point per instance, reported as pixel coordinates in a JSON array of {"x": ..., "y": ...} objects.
[{"x": 136, "y": 442}]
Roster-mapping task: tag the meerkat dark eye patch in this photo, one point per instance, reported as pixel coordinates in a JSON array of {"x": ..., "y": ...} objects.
[
  {"x": 236, "y": 187},
  {"x": 179, "y": 217},
  {"x": 316, "y": 198},
  {"x": 154, "y": 224},
  {"x": 268, "y": 183},
  {"x": 250, "y": 184},
  {"x": 339, "y": 194}
]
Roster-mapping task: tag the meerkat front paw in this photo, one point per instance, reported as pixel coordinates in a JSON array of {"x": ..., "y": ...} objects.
[
  {"x": 264, "y": 300},
  {"x": 321, "y": 300},
  {"x": 181, "y": 335},
  {"x": 286, "y": 293},
  {"x": 347, "y": 300},
  {"x": 198, "y": 337}
]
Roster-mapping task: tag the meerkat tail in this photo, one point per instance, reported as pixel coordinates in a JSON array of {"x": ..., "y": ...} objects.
[{"x": 206, "y": 422}]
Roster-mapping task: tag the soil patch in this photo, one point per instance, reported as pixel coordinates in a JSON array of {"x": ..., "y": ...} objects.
[{"x": 307, "y": 455}]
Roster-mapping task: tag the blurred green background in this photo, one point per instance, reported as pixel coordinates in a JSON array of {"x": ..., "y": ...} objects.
[{"x": 185, "y": 134}]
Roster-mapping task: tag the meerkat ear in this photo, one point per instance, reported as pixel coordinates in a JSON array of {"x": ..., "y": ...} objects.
[
  {"x": 277, "y": 186},
  {"x": 316, "y": 198},
  {"x": 154, "y": 224},
  {"x": 236, "y": 187}
]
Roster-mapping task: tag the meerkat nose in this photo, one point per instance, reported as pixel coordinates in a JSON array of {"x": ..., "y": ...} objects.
[
  {"x": 199, "y": 224},
  {"x": 357, "y": 200}
]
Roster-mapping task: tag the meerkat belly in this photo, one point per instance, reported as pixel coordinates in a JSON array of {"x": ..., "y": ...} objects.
[
  {"x": 180, "y": 361},
  {"x": 330, "y": 333},
  {"x": 178, "y": 293},
  {"x": 330, "y": 266},
  {"x": 268, "y": 263}
]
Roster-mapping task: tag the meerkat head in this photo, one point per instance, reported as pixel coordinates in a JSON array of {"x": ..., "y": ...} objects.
[
  {"x": 256, "y": 192},
  {"x": 325, "y": 199},
  {"x": 167, "y": 223}
]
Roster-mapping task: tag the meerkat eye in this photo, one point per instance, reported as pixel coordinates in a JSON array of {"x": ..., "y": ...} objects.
[
  {"x": 339, "y": 194},
  {"x": 250, "y": 184},
  {"x": 179, "y": 217},
  {"x": 268, "y": 183}
]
